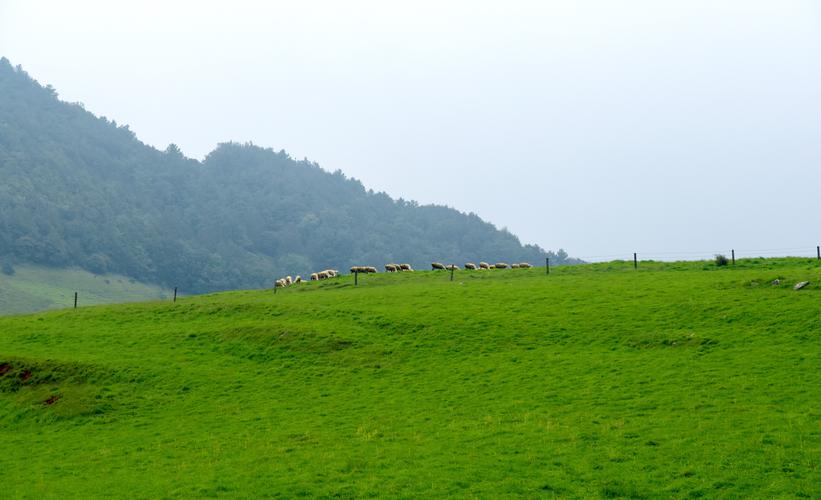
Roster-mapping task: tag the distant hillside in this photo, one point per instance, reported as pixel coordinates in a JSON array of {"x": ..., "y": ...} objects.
[
  {"x": 35, "y": 288},
  {"x": 78, "y": 190}
]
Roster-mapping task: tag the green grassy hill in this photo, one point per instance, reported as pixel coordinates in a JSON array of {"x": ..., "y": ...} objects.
[
  {"x": 674, "y": 381},
  {"x": 36, "y": 288}
]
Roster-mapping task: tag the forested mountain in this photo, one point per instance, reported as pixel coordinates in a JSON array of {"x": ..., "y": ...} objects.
[{"x": 78, "y": 190}]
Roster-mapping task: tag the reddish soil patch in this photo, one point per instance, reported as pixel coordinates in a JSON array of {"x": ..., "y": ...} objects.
[
  {"x": 25, "y": 375},
  {"x": 4, "y": 368},
  {"x": 51, "y": 400}
]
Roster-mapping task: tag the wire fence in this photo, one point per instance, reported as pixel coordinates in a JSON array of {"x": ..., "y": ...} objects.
[
  {"x": 806, "y": 251},
  {"x": 741, "y": 253}
]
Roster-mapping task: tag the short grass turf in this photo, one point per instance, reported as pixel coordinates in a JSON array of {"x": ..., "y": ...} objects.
[
  {"x": 679, "y": 380},
  {"x": 38, "y": 288}
]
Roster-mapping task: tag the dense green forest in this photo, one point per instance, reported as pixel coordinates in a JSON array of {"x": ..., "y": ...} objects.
[{"x": 81, "y": 190}]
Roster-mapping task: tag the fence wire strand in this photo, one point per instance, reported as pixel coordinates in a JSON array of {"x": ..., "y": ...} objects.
[{"x": 796, "y": 251}]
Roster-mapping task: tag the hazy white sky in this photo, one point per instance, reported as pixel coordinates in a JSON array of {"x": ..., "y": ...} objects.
[{"x": 598, "y": 126}]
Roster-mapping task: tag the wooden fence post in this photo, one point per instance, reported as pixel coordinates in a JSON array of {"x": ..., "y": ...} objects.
[
  {"x": 635, "y": 261},
  {"x": 732, "y": 252},
  {"x": 355, "y": 278},
  {"x": 547, "y": 265},
  {"x": 175, "y": 294},
  {"x": 75, "y": 300},
  {"x": 452, "y": 267}
]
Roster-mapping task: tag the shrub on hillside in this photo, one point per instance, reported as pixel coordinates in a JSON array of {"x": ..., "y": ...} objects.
[{"x": 721, "y": 260}]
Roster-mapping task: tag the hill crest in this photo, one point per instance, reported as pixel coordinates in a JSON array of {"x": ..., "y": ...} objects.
[{"x": 80, "y": 190}]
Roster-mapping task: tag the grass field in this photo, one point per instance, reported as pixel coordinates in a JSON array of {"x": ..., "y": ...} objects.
[
  {"x": 36, "y": 288},
  {"x": 679, "y": 380}
]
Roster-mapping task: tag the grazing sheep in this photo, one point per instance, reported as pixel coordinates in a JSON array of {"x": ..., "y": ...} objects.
[
  {"x": 500, "y": 265},
  {"x": 524, "y": 265},
  {"x": 390, "y": 268},
  {"x": 437, "y": 265},
  {"x": 452, "y": 267},
  {"x": 280, "y": 283},
  {"x": 314, "y": 276},
  {"x": 471, "y": 266},
  {"x": 514, "y": 266},
  {"x": 371, "y": 269},
  {"x": 289, "y": 281},
  {"x": 484, "y": 265},
  {"x": 405, "y": 267}
]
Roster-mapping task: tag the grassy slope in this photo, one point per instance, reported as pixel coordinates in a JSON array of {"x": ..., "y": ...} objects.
[
  {"x": 678, "y": 380},
  {"x": 35, "y": 288}
]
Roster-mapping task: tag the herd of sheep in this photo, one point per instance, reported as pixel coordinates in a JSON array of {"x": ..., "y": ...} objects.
[
  {"x": 321, "y": 275},
  {"x": 470, "y": 266},
  {"x": 287, "y": 281},
  {"x": 394, "y": 268}
]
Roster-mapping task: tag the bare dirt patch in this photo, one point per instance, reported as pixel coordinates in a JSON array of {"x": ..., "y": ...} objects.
[{"x": 52, "y": 399}]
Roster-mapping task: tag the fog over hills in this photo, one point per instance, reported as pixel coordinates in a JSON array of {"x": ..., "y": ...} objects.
[
  {"x": 673, "y": 129},
  {"x": 81, "y": 190}
]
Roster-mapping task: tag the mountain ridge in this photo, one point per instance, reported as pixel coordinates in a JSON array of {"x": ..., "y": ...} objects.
[{"x": 81, "y": 190}]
